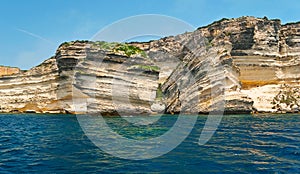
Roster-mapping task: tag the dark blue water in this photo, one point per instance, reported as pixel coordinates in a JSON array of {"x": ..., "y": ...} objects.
[{"x": 242, "y": 144}]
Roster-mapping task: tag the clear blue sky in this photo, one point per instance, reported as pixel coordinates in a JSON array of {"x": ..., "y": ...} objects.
[{"x": 31, "y": 30}]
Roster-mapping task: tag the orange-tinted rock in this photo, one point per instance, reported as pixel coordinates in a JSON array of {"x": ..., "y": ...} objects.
[{"x": 6, "y": 71}]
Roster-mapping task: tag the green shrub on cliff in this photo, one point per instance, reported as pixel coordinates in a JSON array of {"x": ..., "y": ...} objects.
[
  {"x": 105, "y": 45},
  {"x": 159, "y": 93},
  {"x": 65, "y": 44},
  {"x": 146, "y": 68},
  {"x": 128, "y": 50}
]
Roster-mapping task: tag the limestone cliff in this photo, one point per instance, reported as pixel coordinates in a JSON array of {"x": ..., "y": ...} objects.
[
  {"x": 32, "y": 90},
  {"x": 240, "y": 65},
  {"x": 75, "y": 73},
  {"x": 259, "y": 58},
  {"x": 6, "y": 71},
  {"x": 106, "y": 80}
]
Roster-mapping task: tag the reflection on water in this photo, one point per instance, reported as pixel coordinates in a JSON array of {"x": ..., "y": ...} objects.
[{"x": 242, "y": 144}]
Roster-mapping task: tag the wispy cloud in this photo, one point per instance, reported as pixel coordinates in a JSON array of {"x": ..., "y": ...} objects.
[{"x": 34, "y": 35}]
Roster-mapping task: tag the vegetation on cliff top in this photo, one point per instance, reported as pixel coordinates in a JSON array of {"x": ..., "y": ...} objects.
[{"x": 123, "y": 48}]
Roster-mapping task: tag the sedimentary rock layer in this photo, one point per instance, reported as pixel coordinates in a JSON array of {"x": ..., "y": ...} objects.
[
  {"x": 32, "y": 90},
  {"x": 83, "y": 77},
  {"x": 264, "y": 60}
]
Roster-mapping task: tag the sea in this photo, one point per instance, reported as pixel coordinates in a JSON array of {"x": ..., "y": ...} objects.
[{"x": 45, "y": 143}]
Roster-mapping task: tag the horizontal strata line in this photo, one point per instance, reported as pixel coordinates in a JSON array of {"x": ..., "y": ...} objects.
[
  {"x": 107, "y": 77},
  {"x": 265, "y": 59},
  {"x": 19, "y": 85},
  {"x": 114, "y": 76},
  {"x": 123, "y": 101},
  {"x": 43, "y": 101},
  {"x": 56, "y": 72},
  {"x": 21, "y": 80},
  {"x": 107, "y": 70},
  {"x": 109, "y": 98},
  {"x": 28, "y": 93},
  {"x": 100, "y": 89},
  {"x": 290, "y": 79},
  {"x": 277, "y": 65}
]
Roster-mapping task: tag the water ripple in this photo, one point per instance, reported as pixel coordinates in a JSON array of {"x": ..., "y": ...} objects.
[{"x": 32, "y": 143}]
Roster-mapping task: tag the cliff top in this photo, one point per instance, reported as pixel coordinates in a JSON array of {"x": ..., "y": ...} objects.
[{"x": 245, "y": 19}]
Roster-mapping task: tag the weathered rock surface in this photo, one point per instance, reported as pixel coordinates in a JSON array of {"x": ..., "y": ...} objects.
[
  {"x": 82, "y": 77},
  {"x": 238, "y": 65},
  {"x": 32, "y": 90},
  {"x": 6, "y": 71},
  {"x": 97, "y": 80}
]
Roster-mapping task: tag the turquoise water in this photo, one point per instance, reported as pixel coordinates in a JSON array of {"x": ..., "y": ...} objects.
[{"x": 242, "y": 144}]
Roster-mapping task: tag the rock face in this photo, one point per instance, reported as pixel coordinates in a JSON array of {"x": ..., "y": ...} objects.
[
  {"x": 264, "y": 73},
  {"x": 267, "y": 56},
  {"x": 238, "y": 65},
  {"x": 83, "y": 77},
  {"x": 98, "y": 80},
  {"x": 30, "y": 91},
  {"x": 6, "y": 71}
]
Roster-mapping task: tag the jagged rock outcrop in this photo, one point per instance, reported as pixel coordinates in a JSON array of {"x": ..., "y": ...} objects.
[{"x": 238, "y": 65}]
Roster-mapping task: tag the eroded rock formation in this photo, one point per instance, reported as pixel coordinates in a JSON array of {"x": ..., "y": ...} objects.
[
  {"x": 6, "y": 71},
  {"x": 238, "y": 65}
]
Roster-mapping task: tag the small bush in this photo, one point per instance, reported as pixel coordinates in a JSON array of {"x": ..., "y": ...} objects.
[
  {"x": 128, "y": 50},
  {"x": 159, "y": 93},
  {"x": 146, "y": 68},
  {"x": 65, "y": 44}
]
